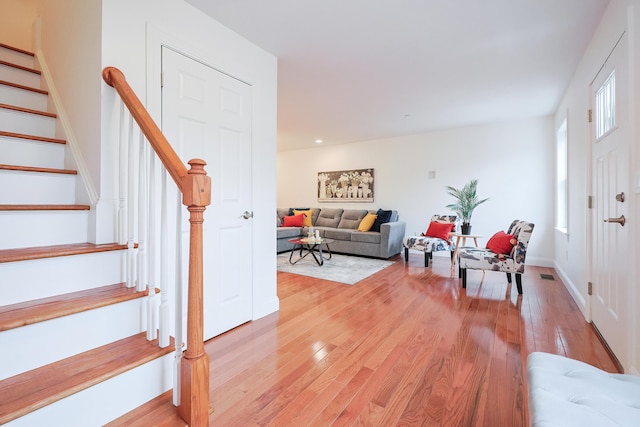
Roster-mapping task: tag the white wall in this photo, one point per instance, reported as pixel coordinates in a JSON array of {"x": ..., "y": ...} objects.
[
  {"x": 513, "y": 162},
  {"x": 572, "y": 251},
  {"x": 131, "y": 42},
  {"x": 16, "y": 26},
  {"x": 70, "y": 41}
]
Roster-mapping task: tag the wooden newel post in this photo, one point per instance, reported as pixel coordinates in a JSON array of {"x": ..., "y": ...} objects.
[{"x": 194, "y": 368}]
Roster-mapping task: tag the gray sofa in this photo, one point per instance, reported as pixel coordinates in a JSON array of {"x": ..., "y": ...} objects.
[{"x": 341, "y": 225}]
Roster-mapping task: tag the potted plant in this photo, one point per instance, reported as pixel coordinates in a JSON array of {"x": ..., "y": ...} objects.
[{"x": 466, "y": 201}]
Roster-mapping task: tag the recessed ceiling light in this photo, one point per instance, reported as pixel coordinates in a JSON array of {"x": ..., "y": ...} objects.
[{"x": 318, "y": 141}]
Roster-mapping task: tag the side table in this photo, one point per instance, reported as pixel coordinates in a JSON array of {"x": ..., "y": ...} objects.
[{"x": 463, "y": 237}]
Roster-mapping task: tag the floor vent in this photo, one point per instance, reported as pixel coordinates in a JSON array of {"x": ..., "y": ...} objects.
[{"x": 547, "y": 277}]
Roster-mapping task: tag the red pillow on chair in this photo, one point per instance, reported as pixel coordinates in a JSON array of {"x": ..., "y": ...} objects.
[
  {"x": 293, "y": 221},
  {"x": 440, "y": 230},
  {"x": 501, "y": 243}
]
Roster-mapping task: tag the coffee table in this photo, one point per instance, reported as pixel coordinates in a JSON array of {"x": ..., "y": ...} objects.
[{"x": 310, "y": 246}]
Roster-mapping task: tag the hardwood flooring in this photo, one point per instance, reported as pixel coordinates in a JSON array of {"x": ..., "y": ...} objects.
[{"x": 406, "y": 346}]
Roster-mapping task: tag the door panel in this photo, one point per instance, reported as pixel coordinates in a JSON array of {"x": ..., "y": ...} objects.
[
  {"x": 205, "y": 113},
  {"x": 610, "y": 174}
]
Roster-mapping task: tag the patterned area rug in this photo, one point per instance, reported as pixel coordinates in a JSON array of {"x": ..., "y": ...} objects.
[{"x": 340, "y": 268}]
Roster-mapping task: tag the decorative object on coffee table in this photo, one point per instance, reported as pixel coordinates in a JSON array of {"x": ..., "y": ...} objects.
[{"x": 466, "y": 201}]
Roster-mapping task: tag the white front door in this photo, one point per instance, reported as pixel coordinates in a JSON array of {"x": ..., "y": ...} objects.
[
  {"x": 207, "y": 114},
  {"x": 610, "y": 178}
]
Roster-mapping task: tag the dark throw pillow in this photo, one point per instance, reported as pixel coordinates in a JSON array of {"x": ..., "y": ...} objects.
[{"x": 383, "y": 216}]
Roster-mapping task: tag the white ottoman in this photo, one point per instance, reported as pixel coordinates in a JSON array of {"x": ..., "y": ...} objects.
[{"x": 565, "y": 392}]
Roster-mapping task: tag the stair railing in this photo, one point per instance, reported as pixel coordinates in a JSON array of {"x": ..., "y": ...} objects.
[{"x": 138, "y": 191}]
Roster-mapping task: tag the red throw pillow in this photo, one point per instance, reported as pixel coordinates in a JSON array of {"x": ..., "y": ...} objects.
[
  {"x": 501, "y": 243},
  {"x": 440, "y": 230},
  {"x": 293, "y": 221}
]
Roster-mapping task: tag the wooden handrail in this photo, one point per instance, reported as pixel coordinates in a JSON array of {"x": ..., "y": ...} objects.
[
  {"x": 178, "y": 171},
  {"x": 195, "y": 187}
]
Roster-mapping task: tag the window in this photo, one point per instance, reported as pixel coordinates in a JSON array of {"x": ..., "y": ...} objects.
[
  {"x": 605, "y": 106},
  {"x": 562, "y": 204}
]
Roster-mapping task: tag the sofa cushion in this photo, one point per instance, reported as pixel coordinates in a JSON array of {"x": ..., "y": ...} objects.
[
  {"x": 293, "y": 221},
  {"x": 329, "y": 217},
  {"x": 439, "y": 230},
  {"x": 366, "y": 237},
  {"x": 308, "y": 216},
  {"x": 282, "y": 212},
  {"x": 383, "y": 217},
  {"x": 367, "y": 222},
  {"x": 501, "y": 243},
  {"x": 338, "y": 233},
  {"x": 288, "y": 232},
  {"x": 351, "y": 218}
]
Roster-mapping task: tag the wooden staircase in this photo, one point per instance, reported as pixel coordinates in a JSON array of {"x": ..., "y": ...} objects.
[{"x": 74, "y": 347}]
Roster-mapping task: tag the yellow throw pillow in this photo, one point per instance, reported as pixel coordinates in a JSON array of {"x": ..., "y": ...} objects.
[
  {"x": 367, "y": 222},
  {"x": 308, "y": 216}
]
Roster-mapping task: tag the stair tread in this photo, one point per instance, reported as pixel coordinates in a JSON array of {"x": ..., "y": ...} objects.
[
  {"x": 158, "y": 411},
  {"x": 42, "y": 386},
  {"x": 18, "y": 86},
  {"x": 16, "y": 49},
  {"x": 44, "y": 207},
  {"x": 20, "y": 67},
  {"x": 32, "y": 137},
  {"x": 37, "y": 169},
  {"x": 28, "y": 110},
  {"x": 38, "y": 252},
  {"x": 34, "y": 311}
]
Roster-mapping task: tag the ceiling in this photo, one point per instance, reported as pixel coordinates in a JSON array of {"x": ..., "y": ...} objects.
[{"x": 354, "y": 70}]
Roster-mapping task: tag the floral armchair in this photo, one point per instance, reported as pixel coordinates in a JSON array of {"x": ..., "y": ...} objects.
[
  {"x": 485, "y": 259},
  {"x": 430, "y": 243}
]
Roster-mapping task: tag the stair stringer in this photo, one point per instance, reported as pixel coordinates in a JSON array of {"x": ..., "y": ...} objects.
[{"x": 90, "y": 194}]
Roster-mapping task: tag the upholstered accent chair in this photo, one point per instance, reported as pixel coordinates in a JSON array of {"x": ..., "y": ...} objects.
[
  {"x": 428, "y": 242},
  {"x": 485, "y": 259}
]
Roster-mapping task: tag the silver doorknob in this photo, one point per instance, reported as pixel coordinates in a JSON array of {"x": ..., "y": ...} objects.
[
  {"x": 620, "y": 220},
  {"x": 247, "y": 214}
]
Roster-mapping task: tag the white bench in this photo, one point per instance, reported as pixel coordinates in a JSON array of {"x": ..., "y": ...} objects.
[{"x": 564, "y": 392}]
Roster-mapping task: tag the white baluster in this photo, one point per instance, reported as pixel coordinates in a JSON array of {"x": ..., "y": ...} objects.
[
  {"x": 164, "y": 265},
  {"x": 143, "y": 210},
  {"x": 131, "y": 203},
  {"x": 152, "y": 306},
  {"x": 179, "y": 307},
  {"x": 122, "y": 187}
]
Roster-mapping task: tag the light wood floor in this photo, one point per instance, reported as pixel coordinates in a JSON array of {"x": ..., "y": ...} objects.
[{"x": 406, "y": 346}]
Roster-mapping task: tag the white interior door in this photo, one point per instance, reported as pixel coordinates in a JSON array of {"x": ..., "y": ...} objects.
[
  {"x": 610, "y": 174},
  {"x": 207, "y": 114}
]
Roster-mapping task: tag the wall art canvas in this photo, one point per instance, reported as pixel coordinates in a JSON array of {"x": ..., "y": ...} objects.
[{"x": 346, "y": 186}]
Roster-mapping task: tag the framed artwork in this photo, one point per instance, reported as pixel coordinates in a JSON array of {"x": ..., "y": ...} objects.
[{"x": 346, "y": 186}]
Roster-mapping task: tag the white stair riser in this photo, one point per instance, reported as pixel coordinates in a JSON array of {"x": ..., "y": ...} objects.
[
  {"x": 25, "y": 152},
  {"x": 17, "y": 187},
  {"x": 21, "y": 77},
  {"x": 21, "y": 229},
  {"x": 23, "y": 98},
  {"x": 106, "y": 401},
  {"x": 57, "y": 339},
  {"x": 27, "y": 123},
  {"x": 42, "y": 278},
  {"x": 17, "y": 58}
]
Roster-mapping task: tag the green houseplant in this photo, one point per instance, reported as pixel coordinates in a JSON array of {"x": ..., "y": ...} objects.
[{"x": 466, "y": 201}]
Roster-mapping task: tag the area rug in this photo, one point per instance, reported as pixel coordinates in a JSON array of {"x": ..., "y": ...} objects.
[{"x": 340, "y": 268}]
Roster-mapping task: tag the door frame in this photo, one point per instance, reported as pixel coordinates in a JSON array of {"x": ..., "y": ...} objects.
[{"x": 265, "y": 298}]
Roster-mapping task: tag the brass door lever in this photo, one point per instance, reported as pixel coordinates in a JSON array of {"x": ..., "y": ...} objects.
[{"x": 620, "y": 220}]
